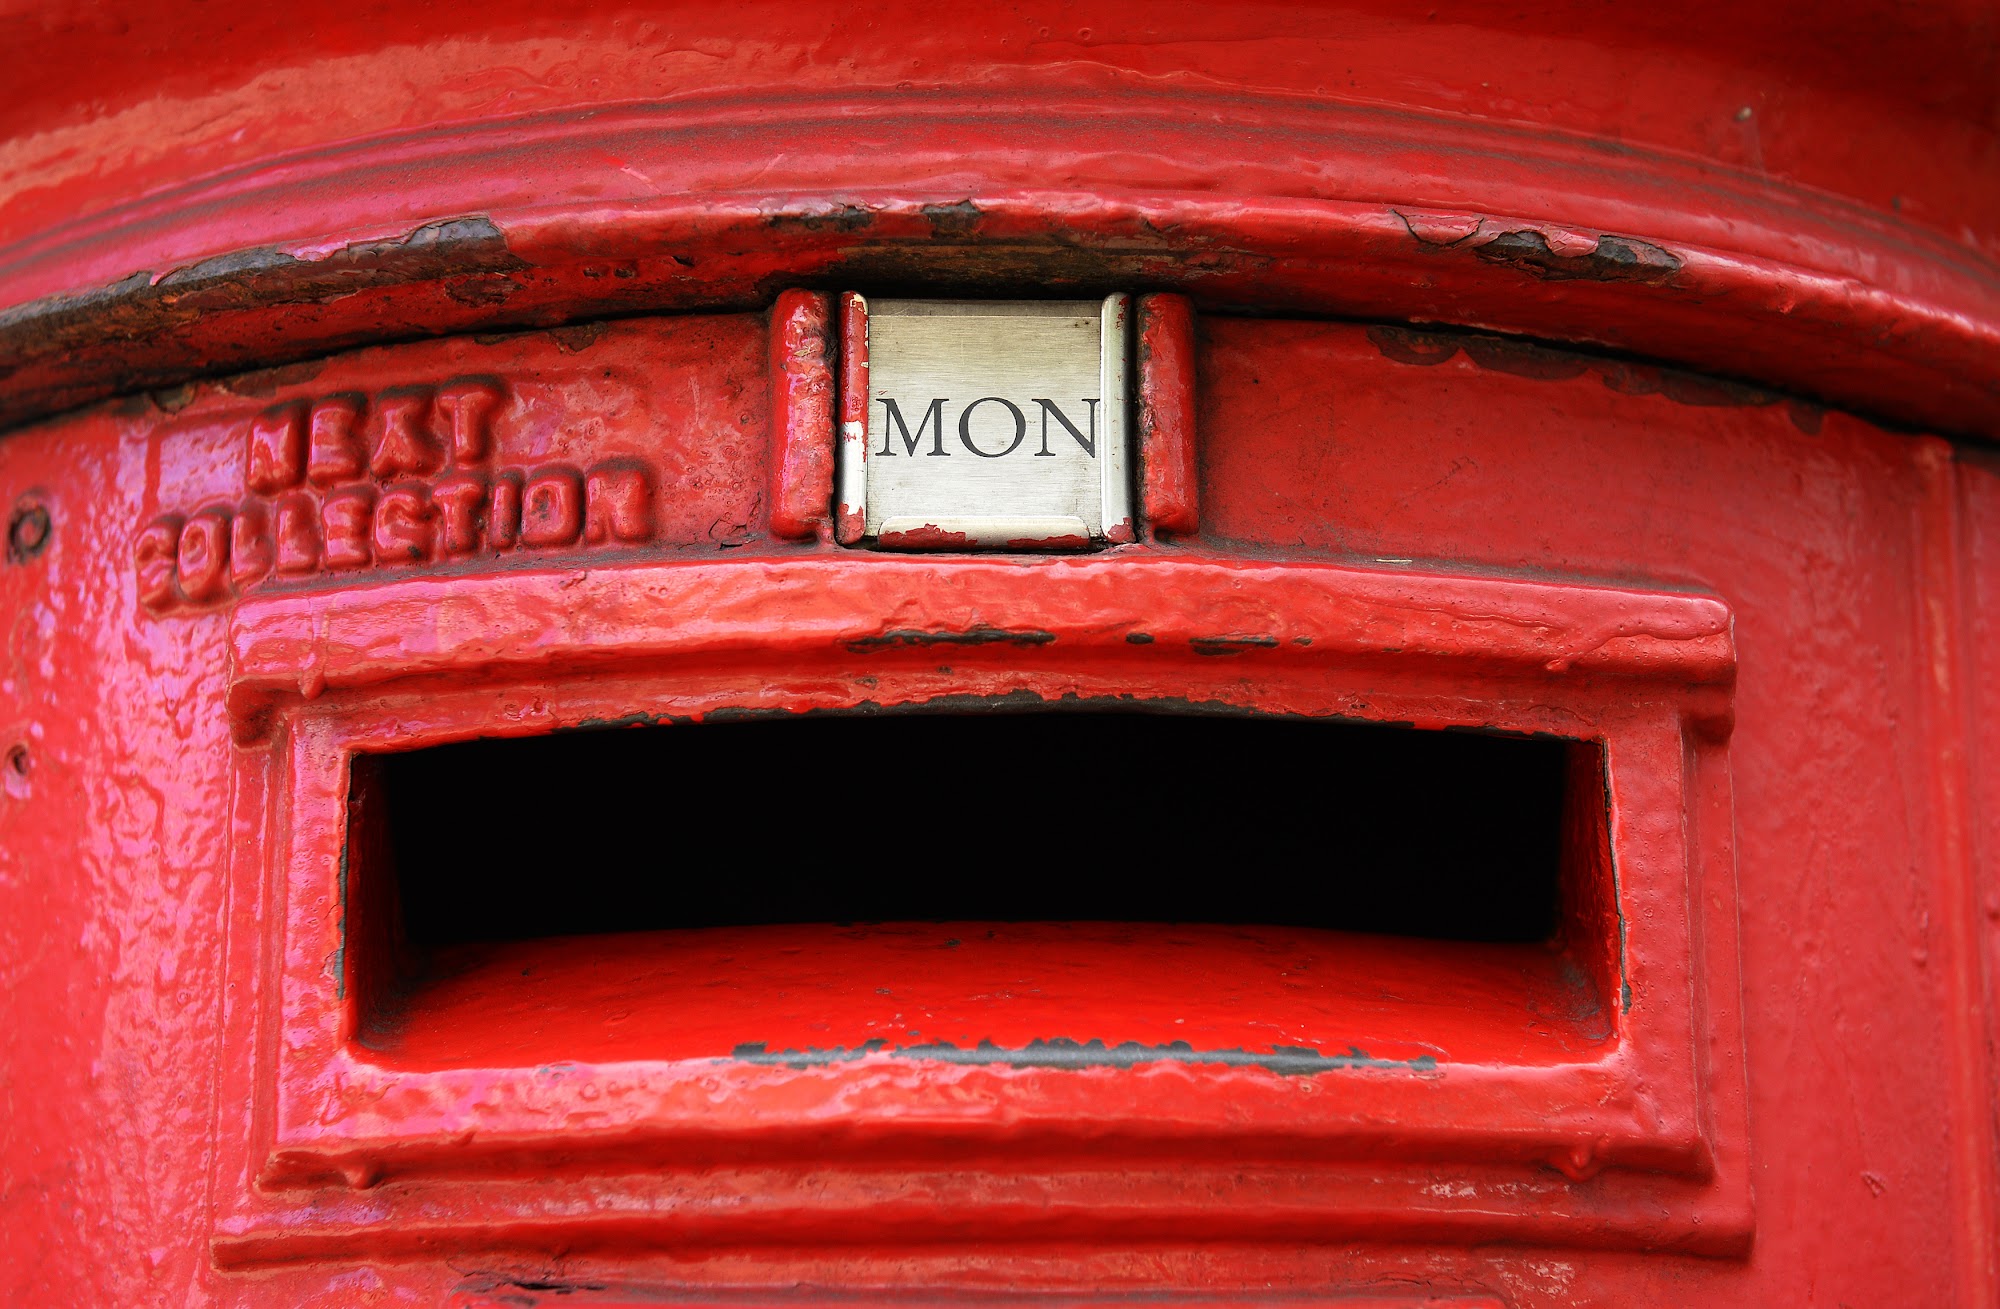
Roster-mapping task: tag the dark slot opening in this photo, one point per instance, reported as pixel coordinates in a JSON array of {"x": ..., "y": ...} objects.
[{"x": 998, "y": 816}]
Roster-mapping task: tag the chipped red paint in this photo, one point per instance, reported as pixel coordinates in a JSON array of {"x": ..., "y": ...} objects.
[
  {"x": 1551, "y": 253},
  {"x": 928, "y": 537},
  {"x": 1168, "y": 497},
  {"x": 802, "y": 414},
  {"x": 1824, "y": 243},
  {"x": 850, "y": 515},
  {"x": 849, "y": 526},
  {"x": 337, "y": 343}
]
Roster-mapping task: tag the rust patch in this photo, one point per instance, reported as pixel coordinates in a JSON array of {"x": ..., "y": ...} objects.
[
  {"x": 455, "y": 245},
  {"x": 1522, "y": 358},
  {"x": 1684, "y": 388},
  {"x": 831, "y": 218},
  {"x": 28, "y": 531},
  {"x": 958, "y": 219},
  {"x": 140, "y": 306},
  {"x": 263, "y": 383},
  {"x": 912, "y": 637},
  {"x": 1505, "y": 354},
  {"x": 173, "y": 399},
  {"x": 1070, "y": 1053},
  {"x": 1806, "y": 416},
  {"x": 578, "y": 337},
  {"x": 1612, "y": 259},
  {"x": 482, "y": 292},
  {"x": 1225, "y": 645},
  {"x": 1553, "y": 254}
]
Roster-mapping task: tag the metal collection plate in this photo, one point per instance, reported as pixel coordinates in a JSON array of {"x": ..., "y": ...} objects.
[{"x": 991, "y": 424}]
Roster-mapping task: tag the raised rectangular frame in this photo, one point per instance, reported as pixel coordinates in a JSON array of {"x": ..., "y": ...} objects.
[{"x": 1640, "y": 1145}]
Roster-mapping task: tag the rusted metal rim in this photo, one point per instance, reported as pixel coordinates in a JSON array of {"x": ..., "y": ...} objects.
[{"x": 1245, "y": 205}]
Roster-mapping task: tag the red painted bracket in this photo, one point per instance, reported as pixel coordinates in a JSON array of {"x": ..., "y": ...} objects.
[
  {"x": 802, "y": 400},
  {"x": 1168, "y": 473}
]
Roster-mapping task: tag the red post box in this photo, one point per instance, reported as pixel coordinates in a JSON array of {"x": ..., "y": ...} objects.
[{"x": 753, "y": 655}]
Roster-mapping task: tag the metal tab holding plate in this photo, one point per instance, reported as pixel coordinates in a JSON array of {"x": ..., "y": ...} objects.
[{"x": 984, "y": 424}]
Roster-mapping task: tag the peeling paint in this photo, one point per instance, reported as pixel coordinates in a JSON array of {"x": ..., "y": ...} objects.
[
  {"x": 1067, "y": 1053},
  {"x": 1548, "y": 252},
  {"x": 958, "y": 219},
  {"x": 1224, "y": 645},
  {"x": 829, "y": 218},
  {"x": 928, "y": 537},
  {"x": 457, "y": 252},
  {"x": 578, "y": 337},
  {"x": 971, "y": 636},
  {"x": 1612, "y": 259},
  {"x": 1429, "y": 347}
]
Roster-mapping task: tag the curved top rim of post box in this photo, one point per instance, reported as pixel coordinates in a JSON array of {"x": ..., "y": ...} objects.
[{"x": 519, "y": 224}]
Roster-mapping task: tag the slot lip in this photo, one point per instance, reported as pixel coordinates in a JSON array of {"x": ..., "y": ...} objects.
[{"x": 634, "y": 998}]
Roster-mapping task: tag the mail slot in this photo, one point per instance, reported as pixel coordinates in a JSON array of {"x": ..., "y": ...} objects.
[
  {"x": 784, "y": 656},
  {"x": 1072, "y": 901}
]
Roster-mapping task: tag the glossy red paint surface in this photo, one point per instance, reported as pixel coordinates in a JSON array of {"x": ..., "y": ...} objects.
[
  {"x": 1169, "y": 481},
  {"x": 802, "y": 415},
  {"x": 539, "y": 638},
  {"x": 1754, "y": 1066},
  {"x": 642, "y": 997}
]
